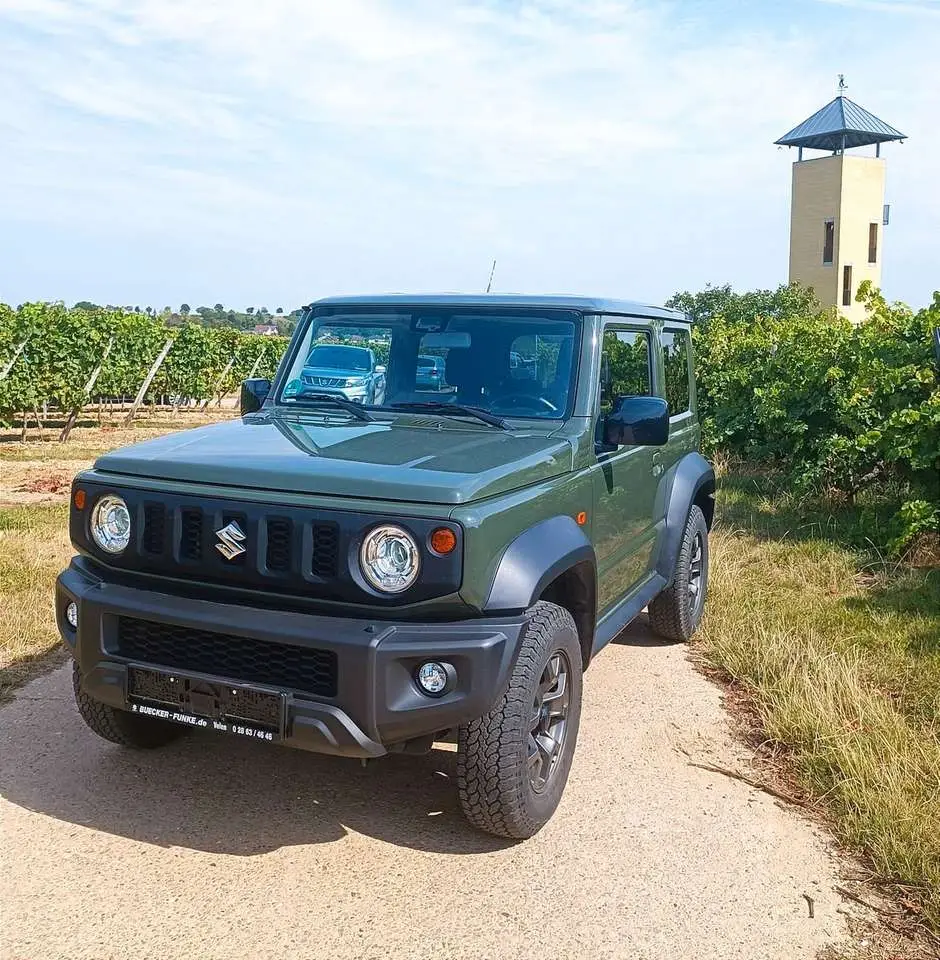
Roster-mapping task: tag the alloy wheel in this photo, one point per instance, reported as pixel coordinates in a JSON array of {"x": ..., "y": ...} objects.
[
  {"x": 696, "y": 574},
  {"x": 549, "y": 721}
]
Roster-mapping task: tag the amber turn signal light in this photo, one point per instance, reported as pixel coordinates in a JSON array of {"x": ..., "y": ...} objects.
[
  {"x": 581, "y": 518},
  {"x": 443, "y": 540},
  {"x": 79, "y": 499}
]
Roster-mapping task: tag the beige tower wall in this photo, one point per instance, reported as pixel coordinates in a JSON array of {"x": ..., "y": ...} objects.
[{"x": 849, "y": 190}]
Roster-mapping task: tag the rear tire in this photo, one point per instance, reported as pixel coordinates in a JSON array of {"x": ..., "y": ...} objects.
[
  {"x": 120, "y": 726},
  {"x": 676, "y": 613},
  {"x": 513, "y": 763}
]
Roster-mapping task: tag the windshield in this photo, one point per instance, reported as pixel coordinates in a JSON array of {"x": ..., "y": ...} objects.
[{"x": 518, "y": 364}]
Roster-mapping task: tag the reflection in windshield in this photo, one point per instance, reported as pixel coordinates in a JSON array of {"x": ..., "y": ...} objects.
[
  {"x": 339, "y": 358},
  {"x": 516, "y": 365}
]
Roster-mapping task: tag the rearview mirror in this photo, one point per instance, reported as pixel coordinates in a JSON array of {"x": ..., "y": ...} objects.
[
  {"x": 253, "y": 394},
  {"x": 640, "y": 421}
]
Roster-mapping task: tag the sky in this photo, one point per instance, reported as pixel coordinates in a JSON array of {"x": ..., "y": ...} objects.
[{"x": 154, "y": 152}]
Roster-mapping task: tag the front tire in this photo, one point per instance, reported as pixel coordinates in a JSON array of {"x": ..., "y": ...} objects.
[
  {"x": 120, "y": 726},
  {"x": 513, "y": 763},
  {"x": 676, "y": 613}
]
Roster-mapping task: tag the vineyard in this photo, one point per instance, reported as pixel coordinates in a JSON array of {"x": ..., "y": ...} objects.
[
  {"x": 54, "y": 360},
  {"x": 840, "y": 410}
]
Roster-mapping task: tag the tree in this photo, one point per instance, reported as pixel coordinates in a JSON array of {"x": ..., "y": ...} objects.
[
  {"x": 184, "y": 309},
  {"x": 279, "y": 310},
  {"x": 86, "y": 305},
  {"x": 220, "y": 309},
  {"x": 249, "y": 311}
]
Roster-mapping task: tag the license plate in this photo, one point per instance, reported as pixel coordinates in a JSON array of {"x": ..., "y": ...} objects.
[{"x": 193, "y": 702}]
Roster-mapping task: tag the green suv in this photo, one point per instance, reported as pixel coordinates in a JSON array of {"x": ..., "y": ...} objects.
[{"x": 368, "y": 578}]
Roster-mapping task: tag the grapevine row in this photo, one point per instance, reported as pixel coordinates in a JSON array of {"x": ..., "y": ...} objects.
[{"x": 49, "y": 355}]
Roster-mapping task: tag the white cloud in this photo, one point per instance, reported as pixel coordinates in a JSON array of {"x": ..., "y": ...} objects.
[{"x": 607, "y": 143}]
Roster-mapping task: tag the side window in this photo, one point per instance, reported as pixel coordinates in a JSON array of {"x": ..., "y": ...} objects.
[
  {"x": 625, "y": 366},
  {"x": 676, "y": 367}
]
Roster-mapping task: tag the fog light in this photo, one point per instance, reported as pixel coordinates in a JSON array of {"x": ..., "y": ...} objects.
[
  {"x": 434, "y": 678},
  {"x": 71, "y": 614}
]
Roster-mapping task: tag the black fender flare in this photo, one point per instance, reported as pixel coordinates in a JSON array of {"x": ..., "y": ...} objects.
[
  {"x": 688, "y": 481},
  {"x": 534, "y": 559}
]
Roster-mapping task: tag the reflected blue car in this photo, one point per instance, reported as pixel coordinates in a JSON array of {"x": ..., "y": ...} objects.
[{"x": 430, "y": 373}]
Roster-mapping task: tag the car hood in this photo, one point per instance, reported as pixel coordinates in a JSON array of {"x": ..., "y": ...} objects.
[{"x": 435, "y": 461}]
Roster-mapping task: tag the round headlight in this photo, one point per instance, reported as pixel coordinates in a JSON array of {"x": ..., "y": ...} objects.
[
  {"x": 389, "y": 559},
  {"x": 111, "y": 524}
]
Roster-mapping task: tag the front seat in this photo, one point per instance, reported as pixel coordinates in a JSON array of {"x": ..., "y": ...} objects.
[{"x": 462, "y": 371}]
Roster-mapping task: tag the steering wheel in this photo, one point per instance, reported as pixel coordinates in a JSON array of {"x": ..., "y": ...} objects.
[{"x": 522, "y": 400}]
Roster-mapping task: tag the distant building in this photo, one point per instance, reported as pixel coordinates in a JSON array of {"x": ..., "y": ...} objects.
[
  {"x": 837, "y": 208},
  {"x": 265, "y": 329}
]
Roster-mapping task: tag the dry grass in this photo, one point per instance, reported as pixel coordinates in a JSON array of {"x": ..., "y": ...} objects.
[
  {"x": 34, "y": 548},
  {"x": 34, "y": 545},
  {"x": 841, "y": 657},
  {"x": 89, "y": 439}
]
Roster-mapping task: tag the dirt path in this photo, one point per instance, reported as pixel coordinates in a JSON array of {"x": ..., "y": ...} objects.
[{"x": 221, "y": 848}]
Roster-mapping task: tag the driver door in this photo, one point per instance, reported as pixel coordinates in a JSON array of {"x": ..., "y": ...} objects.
[{"x": 624, "y": 479}]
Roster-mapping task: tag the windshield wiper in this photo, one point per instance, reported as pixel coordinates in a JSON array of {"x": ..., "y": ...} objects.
[
  {"x": 451, "y": 409},
  {"x": 319, "y": 399}
]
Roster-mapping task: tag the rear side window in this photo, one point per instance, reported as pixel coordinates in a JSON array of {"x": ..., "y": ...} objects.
[
  {"x": 625, "y": 366},
  {"x": 676, "y": 369}
]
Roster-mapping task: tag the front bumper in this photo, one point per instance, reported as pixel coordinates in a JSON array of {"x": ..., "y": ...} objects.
[{"x": 377, "y": 704}]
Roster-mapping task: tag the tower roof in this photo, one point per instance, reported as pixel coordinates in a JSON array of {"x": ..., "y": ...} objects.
[{"x": 840, "y": 123}]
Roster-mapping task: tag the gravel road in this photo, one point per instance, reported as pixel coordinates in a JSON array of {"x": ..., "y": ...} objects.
[{"x": 218, "y": 848}]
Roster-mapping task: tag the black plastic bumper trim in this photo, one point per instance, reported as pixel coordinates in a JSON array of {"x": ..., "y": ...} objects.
[{"x": 377, "y": 703}]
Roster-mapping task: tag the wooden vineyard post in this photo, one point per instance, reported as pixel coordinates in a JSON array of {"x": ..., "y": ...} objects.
[
  {"x": 89, "y": 386},
  {"x": 219, "y": 383},
  {"x": 256, "y": 364},
  {"x": 8, "y": 366},
  {"x": 142, "y": 392}
]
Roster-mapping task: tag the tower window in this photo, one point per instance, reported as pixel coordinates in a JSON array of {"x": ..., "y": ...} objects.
[
  {"x": 873, "y": 243},
  {"x": 847, "y": 286},
  {"x": 829, "y": 238}
]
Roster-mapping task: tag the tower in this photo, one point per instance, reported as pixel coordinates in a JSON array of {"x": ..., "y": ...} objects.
[{"x": 837, "y": 208}]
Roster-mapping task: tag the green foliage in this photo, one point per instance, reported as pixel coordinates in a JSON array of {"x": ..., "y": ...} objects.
[
  {"x": 628, "y": 365},
  {"x": 64, "y": 346},
  {"x": 843, "y": 408}
]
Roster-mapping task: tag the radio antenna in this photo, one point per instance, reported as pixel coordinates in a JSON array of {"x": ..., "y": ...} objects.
[{"x": 489, "y": 284}]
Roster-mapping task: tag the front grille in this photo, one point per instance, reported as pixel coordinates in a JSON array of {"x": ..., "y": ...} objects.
[
  {"x": 287, "y": 550},
  {"x": 228, "y": 656},
  {"x": 325, "y": 549},
  {"x": 191, "y": 533},
  {"x": 312, "y": 381},
  {"x": 154, "y": 527},
  {"x": 280, "y": 530}
]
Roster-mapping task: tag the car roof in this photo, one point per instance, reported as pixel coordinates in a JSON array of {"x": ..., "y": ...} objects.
[{"x": 627, "y": 308}]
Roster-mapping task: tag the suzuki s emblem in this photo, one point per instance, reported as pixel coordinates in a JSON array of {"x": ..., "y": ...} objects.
[{"x": 230, "y": 542}]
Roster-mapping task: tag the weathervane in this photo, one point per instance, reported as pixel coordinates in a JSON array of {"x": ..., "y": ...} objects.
[{"x": 842, "y": 84}]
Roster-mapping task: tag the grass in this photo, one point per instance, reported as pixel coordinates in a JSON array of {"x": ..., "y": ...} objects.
[
  {"x": 34, "y": 542},
  {"x": 89, "y": 439},
  {"x": 839, "y": 653},
  {"x": 34, "y": 548}
]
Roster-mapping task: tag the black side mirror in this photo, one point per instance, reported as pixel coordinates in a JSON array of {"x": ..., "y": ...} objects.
[
  {"x": 253, "y": 394},
  {"x": 642, "y": 421}
]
